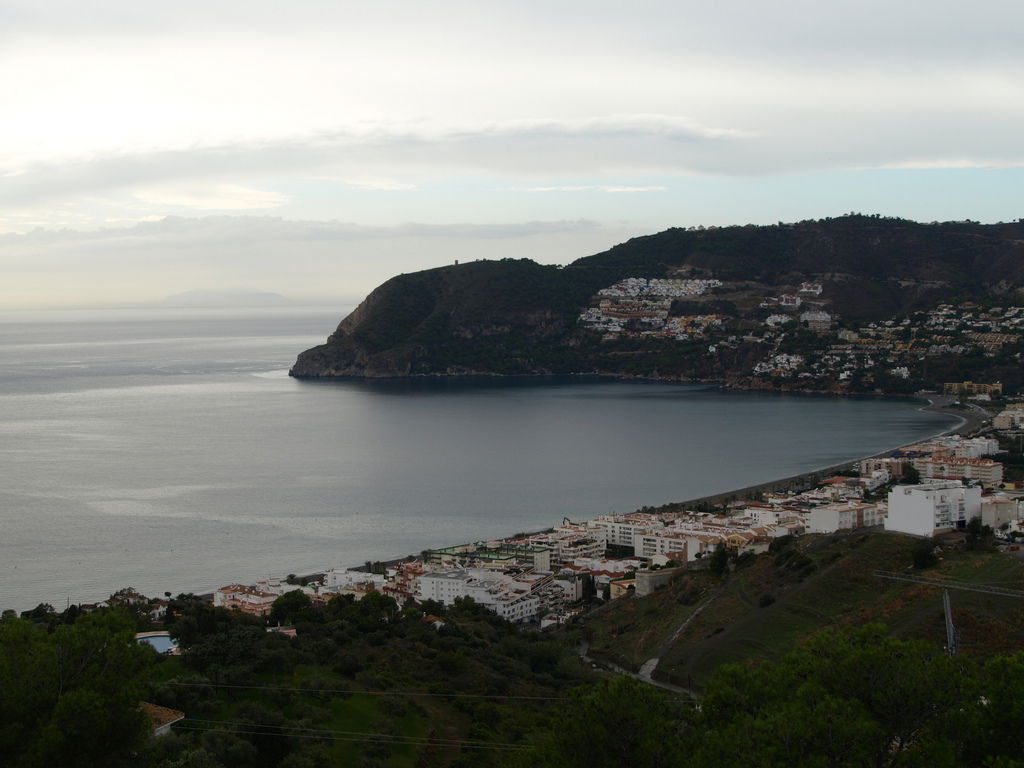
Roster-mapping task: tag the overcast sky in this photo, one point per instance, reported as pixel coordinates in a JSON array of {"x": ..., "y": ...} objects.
[{"x": 314, "y": 149}]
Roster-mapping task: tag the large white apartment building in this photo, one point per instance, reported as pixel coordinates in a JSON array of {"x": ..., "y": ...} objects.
[
  {"x": 975, "y": 447},
  {"x": 621, "y": 530},
  {"x": 988, "y": 472},
  {"x": 929, "y": 508},
  {"x": 487, "y": 588},
  {"x": 661, "y": 543},
  {"x": 568, "y": 542},
  {"x": 569, "y": 548}
]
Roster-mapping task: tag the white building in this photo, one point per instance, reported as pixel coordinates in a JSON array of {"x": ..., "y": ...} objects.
[
  {"x": 621, "y": 530},
  {"x": 568, "y": 542},
  {"x": 343, "y": 577},
  {"x": 999, "y": 509},
  {"x": 491, "y": 590},
  {"x": 924, "y": 510},
  {"x": 699, "y": 544},
  {"x": 661, "y": 543},
  {"x": 769, "y": 514},
  {"x": 816, "y": 320},
  {"x": 245, "y": 598},
  {"x": 1012, "y": 418},
  {"x": 975, "y": 448},
  {"x": 846, "y": 516},
  {"x": 988, "y": 472}
]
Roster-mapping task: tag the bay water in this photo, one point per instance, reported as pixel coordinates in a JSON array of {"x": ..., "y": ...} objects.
[{"x": 168, "y": 450}]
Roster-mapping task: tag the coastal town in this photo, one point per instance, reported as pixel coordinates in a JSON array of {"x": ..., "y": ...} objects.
[
  {"x": 796, "y": 339},
  {"x": 545, "y": 578}
]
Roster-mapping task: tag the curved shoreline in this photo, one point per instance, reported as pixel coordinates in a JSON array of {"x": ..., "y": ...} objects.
[
  {"x": 784, "y": 483},
  {"x": 933, "y": 404},
  {"x": 810, "y": 475}
]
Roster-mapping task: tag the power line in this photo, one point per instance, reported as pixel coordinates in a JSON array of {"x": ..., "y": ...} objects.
[
  {"x": 948, "y": 584},
  {"x": 381, "y": 738},
  {"x": 368, "y": 693},
  {"x": 397, "y": 742},
  {"x": 337, "y": 731}
]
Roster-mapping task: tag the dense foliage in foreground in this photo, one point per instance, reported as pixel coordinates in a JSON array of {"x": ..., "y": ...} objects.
[
  {"x": 369, "y": 684},
  {"x": 856, "y": 698},
  {"x": 70, "y": 696}
]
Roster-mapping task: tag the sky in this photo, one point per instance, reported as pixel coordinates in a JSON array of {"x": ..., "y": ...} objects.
[{"x": 316, "y": 148}]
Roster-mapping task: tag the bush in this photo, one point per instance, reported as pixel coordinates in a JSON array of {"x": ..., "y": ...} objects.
[{"x": 923, "y": 554}]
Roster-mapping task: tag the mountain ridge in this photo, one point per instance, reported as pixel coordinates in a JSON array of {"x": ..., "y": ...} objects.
[{"x": 518, "y": 317}]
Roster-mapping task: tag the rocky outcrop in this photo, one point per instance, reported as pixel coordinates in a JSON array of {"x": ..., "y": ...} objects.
[{"x": 351, "y": 359}]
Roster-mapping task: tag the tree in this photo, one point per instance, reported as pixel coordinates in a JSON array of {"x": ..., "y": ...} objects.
[
  {"x": 996, "y": 740},
  {"x": 719, "y": 561},
  {"x": 71, "y": 697},
  {"x": 199, "y": 619},
  {"x": 290, "y": 605},
  {"x": 909, "y": 474},
  {"x": 589, "y": 588},
  {"x": 979, "y": 536},
  {"x": 42, "y": 615},
  {"x": 923, "y": 554},
  {"x": 852, "y": 698},
  {"x": 619, "y": 722}
]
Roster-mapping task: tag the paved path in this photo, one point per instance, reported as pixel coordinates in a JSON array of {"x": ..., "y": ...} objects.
[
  {"x": 646, "y": 673},
  {"x": 584, "y": 646}
]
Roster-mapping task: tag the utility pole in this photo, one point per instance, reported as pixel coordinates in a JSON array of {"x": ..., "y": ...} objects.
[{"x": 952, "y": 637}]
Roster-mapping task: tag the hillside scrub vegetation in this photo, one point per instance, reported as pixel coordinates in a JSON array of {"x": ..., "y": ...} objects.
[{"x": 858, "y": 698}]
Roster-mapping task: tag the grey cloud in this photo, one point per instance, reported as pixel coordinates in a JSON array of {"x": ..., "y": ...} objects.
[
  {"x": 642, "y": 142},
  {"x": 786, "y": 138},
  {"x": 516, "y": 147},
  {"x": 241, "y": 230},
  {"x": 784, "y": 29},
  {"x": 235, "y": 229}
]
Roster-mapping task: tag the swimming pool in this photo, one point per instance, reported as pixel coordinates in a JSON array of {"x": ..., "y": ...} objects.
[{"x": 161, "y": 642}]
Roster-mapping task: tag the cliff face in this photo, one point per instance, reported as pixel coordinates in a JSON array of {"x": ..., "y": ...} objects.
[
  {"x": 515, "y": 316},
  {"x": 412, "y": 324}
]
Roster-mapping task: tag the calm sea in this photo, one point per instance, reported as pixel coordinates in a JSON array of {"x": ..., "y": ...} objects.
[{"x": 169, "y": 451}]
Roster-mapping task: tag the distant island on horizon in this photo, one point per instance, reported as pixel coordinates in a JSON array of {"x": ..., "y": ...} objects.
[{"x": 852, "y": 304}]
